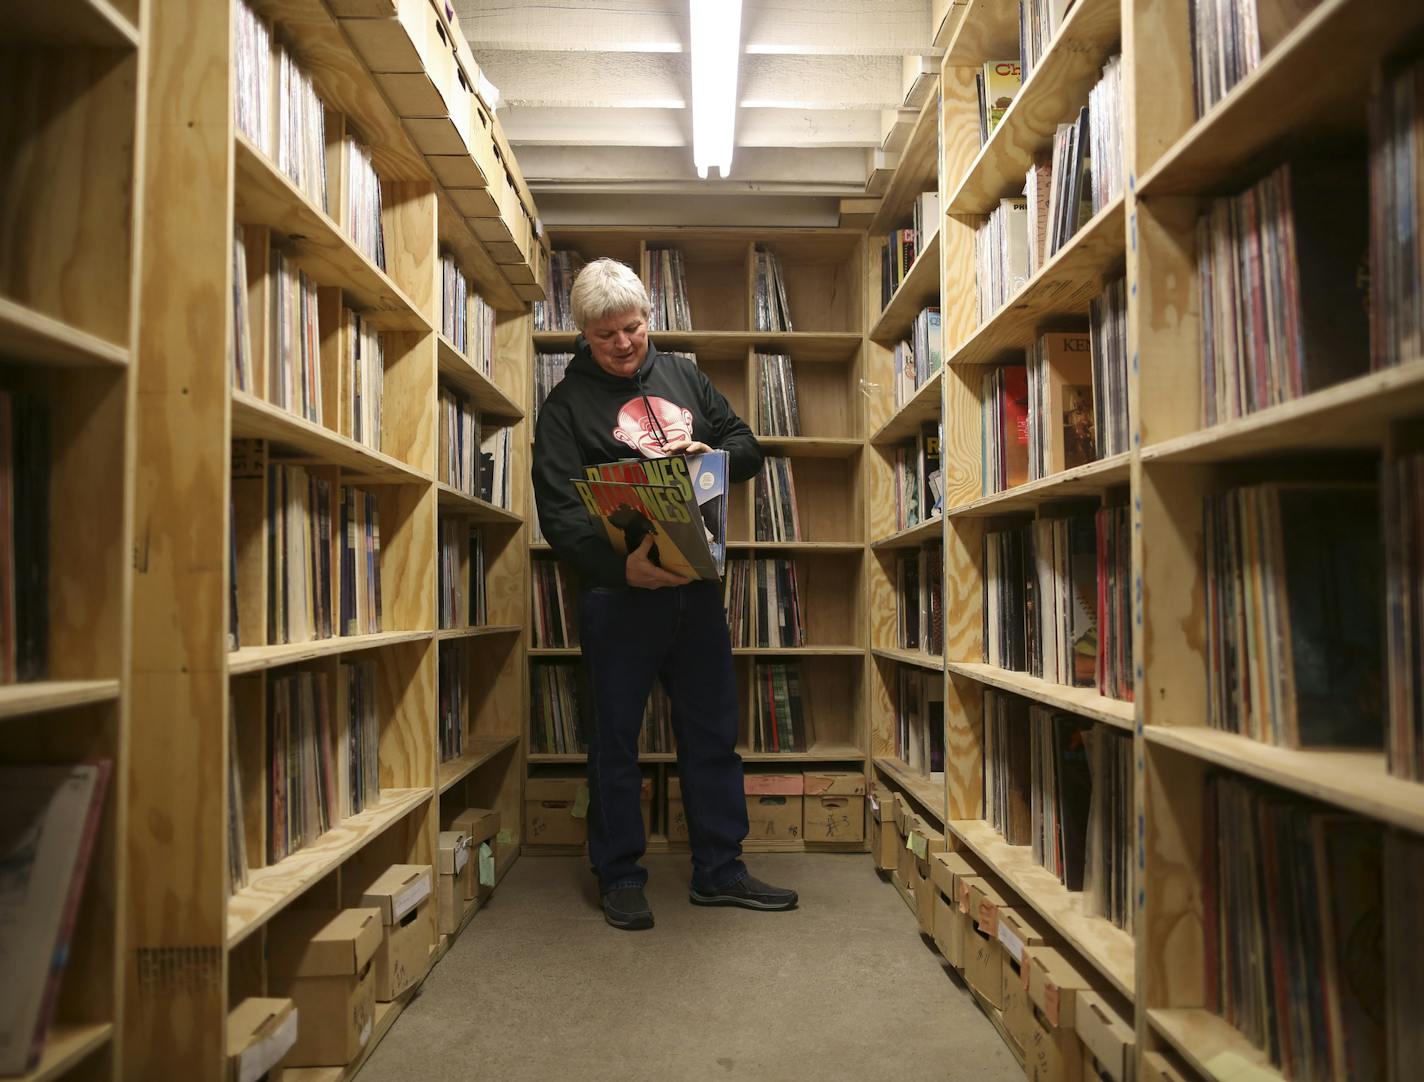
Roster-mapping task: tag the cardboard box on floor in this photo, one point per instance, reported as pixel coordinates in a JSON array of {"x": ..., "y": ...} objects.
[
  {"x": 403, "y": 894},
  {"x": 1109, "y": 1044},
  {"x": 1019, "y": 932},
  {"x": 925, "y": 842},
  {"x": 903, "y": 876},
  {"x": 948, "y": 920},
  {"x": 260, "y": 1033},
  {"x": 1157, "y": 1068},
  {"x": 834, "y": 807},
  {"x": 323, "y": 959},
  {"x": 774, "y": 803},
  {"x": 556, "y": 810},
  {"x": 983, "y": 954},
  {"x": 1054, "y": 1053},
  {"x": 457, "y": 879},
  {"x": 482, "y": 826},
  {"x": 883, "y": 836},
  {"x": 677, "y": 811}
]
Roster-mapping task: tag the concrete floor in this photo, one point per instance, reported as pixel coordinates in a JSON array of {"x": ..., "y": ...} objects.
[{"x": 540, "y": 988}]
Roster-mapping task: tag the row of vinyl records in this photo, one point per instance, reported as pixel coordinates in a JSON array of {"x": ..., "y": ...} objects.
[
  {"x": 917, "y": 361},
  {"x": 919, "y": 720},
  {"x": 776, "y": 515},
  {"x": 1064, "y": 786},
  {"x": 1040, "y": 418},
  {"x": 295, "y": 380},
  {"x": 1058, "y": 600},
  {"x": 301, "y": 511},
  {"x": 300, "y": 136},
  {"x": 1062, "y": 191},
  {"x": 556, "y": 313},
  {"x": 465, "y": 319},
  {"x": 463, "y": 598},
  {"x": 919, "y": 478},
  {"x": 762, "y": 600},
  {"x": 554, "y": 603},
  {"x": 773, "y": 312},
  {"x": 919, "y": 596},
  {"x": 24, "y": 536},
  {"x": 903, "y": 246},
  {"x": 454, "y": 699},
  {"x": 474, "y": 463},
  {"x": 777, "y": 411}
]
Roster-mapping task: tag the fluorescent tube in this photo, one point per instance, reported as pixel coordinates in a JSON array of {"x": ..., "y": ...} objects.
[{"x": 716, "y": 49}]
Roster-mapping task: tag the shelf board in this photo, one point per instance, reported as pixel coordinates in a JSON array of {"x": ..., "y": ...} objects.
[
  {"x": 817, "y": 753},
  {"x": 919, "y": 290},
  {"x": 912, "y": 536},
  {"x": 65, "y": 1045},
  {"x": 473, "y": 507},
  {"x": 1199, "y": 1036},
  {"x": 918, "y": 658},
  {"x": 906, "y": 421},
  {"x": 811, "y": 446},
  {"x": 42, "y": 696},
  {"x": 487, "y": 397},
  {"x": 270, "y": 889},
  {"x": 1110, "y": 949},
  {"x": 1286, "y": 97},
  {"x": 31, "y": 336},
  {"x": 549, "y": 758},
  {"x": 449, "y": 634},
  {"x": 1056, "y": 88},
  {"x": 481, "y": 750},
  {"x": 1064, "y": 286},
  {"x": 254, "y": 418},
  {"x": 251, "y": 659},
  {"x": 83, "y": 22},
  {"x": 828, "y": 547},
  {"x": 828, "y": 347},
  {"x": 554, "y": 651},
  {"x": 264, "y": 196},
  {"x": 1358, "y": 781},
  {"x": 916, "y": 173},
  {"x": 1350, "y": 415},
  {"x": 798, "y": 651},
  {"x": 929, "y": 794},
  {"x": 988, "y": 30},
  {"x": 1088, "y": 480},
  {"x": 1083, "y": 701}
]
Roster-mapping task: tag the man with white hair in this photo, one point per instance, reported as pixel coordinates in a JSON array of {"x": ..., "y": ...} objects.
[{"x": 637, "y": 622}]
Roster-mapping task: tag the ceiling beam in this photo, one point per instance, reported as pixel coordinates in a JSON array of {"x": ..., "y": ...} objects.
[
  {"x": 821, "y": 82},
  {"x": 837, "y": 27},
  {"x": 596, "y": 126},
  {"x": 665, "y": 168}
]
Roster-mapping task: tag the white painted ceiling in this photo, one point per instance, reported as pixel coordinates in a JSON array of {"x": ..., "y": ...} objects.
[{"x": 596, "y": 98}]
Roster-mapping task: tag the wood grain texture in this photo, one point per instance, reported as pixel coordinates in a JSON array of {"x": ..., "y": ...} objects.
[
  {"x": 1168, "y": 320},
  {"x": 408, "y": 216},
  {"x": 1172, "y": 939}
]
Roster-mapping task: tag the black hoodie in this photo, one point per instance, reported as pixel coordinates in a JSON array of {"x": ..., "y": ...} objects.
[{"x": 593, "y": 416}]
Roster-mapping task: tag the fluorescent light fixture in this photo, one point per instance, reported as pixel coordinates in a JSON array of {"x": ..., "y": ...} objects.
[{"x": 716, "y": 49}]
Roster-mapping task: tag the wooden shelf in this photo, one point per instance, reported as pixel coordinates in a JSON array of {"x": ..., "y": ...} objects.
[
  {"x": 254, "y": 418},
  {"x": 918, "y": 291},
  {"x": 905, "y": 424},
  {"x": 811, "y": 446},
  {"x": 481, "y": 751},
  {"x": 1286, "y": 97},
  {"x": 929, "y": 794},
  {"x": 1056, "y": 88},
  {"x": 65, "y": 1045},
  {"x": 548, "y": 758},
  {"x": 450, "y": 634},
  {"x": 473, "y": 507},
  {"x": 1199, "y": 1037},
  {"x": 811, "y": 346},
  {"x": 554, "y": 651},
  {"x": 264, "y": 196},
  {"x": 817, "y": 753},
  {"x": 251, "y": 659},
  {"x": 487, "y": 397},
  {"x": 1088, "y": 480},
  {"x": 798, "y": 651},
  {"x": 33, "y": 337},
  {"x": 1350, "y": 415},
  {"x": 912, "y": 536},
  {"x": 918, "y": 658},
  {"x": 1064, "y": 286},
  {"x": 1107, "y": 947},
  {"x": 1358, "y": 781},
  {"x": 916, "y": 173},
  {"x": 1083, "y": 701},
  {"x": 810, "y": 547},
  {"x": 988, "y": 30},
  {"x": 42, "y": 696},
  {"x": 82, "y": 22},
  {"x": 271, "y": 889}
]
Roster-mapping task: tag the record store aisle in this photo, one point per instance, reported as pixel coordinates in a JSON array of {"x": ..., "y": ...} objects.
[{"x": 540, "y": 988}]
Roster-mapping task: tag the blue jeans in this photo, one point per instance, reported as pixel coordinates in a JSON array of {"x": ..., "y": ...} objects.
[{"x": 630, "y": 638}]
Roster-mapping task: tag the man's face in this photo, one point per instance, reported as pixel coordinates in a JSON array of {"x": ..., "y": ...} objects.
[{"x": 619, "y": 342}]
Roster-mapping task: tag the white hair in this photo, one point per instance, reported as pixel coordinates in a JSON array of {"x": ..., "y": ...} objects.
[{"x": 604, "y": 288}]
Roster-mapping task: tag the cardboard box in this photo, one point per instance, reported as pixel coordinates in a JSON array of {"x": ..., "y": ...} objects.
[
  {"x": 925, "y": 842},
  {"x": 324, "y": 960},
  {"x": 883, "y": 836},
  {"x": 1053, "y": 1053},
  {"x": 904, "y": 875},
  {"x": 834, "y": 807},
  {"x": 260, "y": 1033},
  {"x": 774, "y": 803},
  {"x": 904, "y": 815},
  {"x": 1019, "y": 932},
  {"x": 983, "y": 954},
  {"x": 457, "y": 879},
  {"x": 1109, "y": 1043},
  {"x": 676, "y": 811},
  {"x": 1157, "y": 1068},
  {"x": 483, "y": 827},
  {"x": 556, "y": 811},
  {"x": 403, "y": 895},
  {"x": 949, "y": 922}
]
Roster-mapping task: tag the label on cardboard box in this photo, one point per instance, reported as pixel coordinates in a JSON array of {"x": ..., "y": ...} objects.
[
  {"x": 410, "y": 897},
  {"x": 833, "y": 783},
  {"x": 1052, "y": 1003},
  {"x": 1011, "y": 941},
  {"x": 266, "y": 1029},
  {"x": 486, "y": 865},
  {"x": 1024, "y": 963},
  {"x": 964, "y": 898},
  {"x": 773, "y": 785},
  {"x": 580, "y": 809},
  {"x": 988, "y": 918},
  {"x": 920, "y": 844},
  {"x": 506, "y": 836},
  {"x": 874, "y": 805}
]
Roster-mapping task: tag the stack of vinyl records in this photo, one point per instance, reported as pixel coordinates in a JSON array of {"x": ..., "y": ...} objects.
[
  {"x": 301, "y": 789},
  {"x": 252, "y": 76},
  {"x": 773, "y": 313},
  {"x": 459, "y": 451},
  {"x": 1105, "y": 107},
  {"x": 301, "y": 129},
  {"x": 554, "y": 622},
  {"x": 1402, "y": 496},
  {"x": 1108, "y": 873},
  {"x": 1063, "y": 642},
  {"x": 996, "y": 84},
  {"x": 360, "y": 562},
  {"x": 920, "y": 358},
  {"x": 1004, "y": 421},
  {"x": 1061, "y": 432},
  {"x": 494, "y": 467},
  {"x": 454, "y": 680},
  {"x": 299, "y": 521},
  {"x": 479, "y": 601},
  {"x": 1397, "y": 266},
  {"x": 242, "y": 348},
  {"x": 779, "y": 720},
  {"x": 1038, "y": 23},
  {"x": 294, "y": 356},
  {"x": 481, "y": 346},
  {"x": 236, "y": 816},
  {"x": 1001, "y": 255},
  {"x": 919, "y": 719},
  {"x": 777, "y": 411},
  {"x": 1061, "y": 784},
  {"x": 363, "y": 202},
  {"x": 24, "y": 536},
  {"x": 671, "y": 311},
  {"x": 777, "y": 515},
  {"x": 1008, "y": 596},
  {"x": 556, "y": 313},
  {"x": 763, "y": 602},
  {"x": 366, "y": 374},
  {"x": 656, "y": 737},
  {"x": 358, "y": 733},
  {"x": 556, "y": 692},
  {"x": 1007, "y": 774},
  {"x": 919, "y": 596},
  {"x": 452, "y": 575},
  {"x": 1109, "y": 337},
  {"x": 1115, "y": 676},
  {"x": 896, "y": 259},
  {"x": 1070, "y": 195},
  {"x": 454, "y": 304},
  {"x": 1229, "y": 38}
]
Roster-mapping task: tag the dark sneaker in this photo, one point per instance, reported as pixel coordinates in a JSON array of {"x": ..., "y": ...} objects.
[
  {"x": 747, "y": 892},
  {"x": 627, "y": 908}
]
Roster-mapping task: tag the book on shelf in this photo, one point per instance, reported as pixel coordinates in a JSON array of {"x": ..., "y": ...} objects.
[
  {"x": 454, "y": 699},
  {"x": 554, "y": 619},
  {"x": 779, "y": 717},
  {"x": 917, "y": 360},
  {"x": 680, "y": 500},
  {"x": 919, "y": 478},
  {"x": 363, "y": 201},
  {"x": 358, "y": 733},
  {"x": 1283, "y": 312},
  {"x": 1108, "y": 335},
  {"x": 252, "y": 76},
  {"x": 557, "y": 692},
  {"x": 762, "y": 599},
  {"x": 996, "y": 83},
  {"x": 366, "y": 375},
  {"x": 1063, "y": 648},
  {"x": 1061, "y": 785},
  {"x": 777, "y": 516},
  {"x": 1396, "y": 252},
  {"x": 1115, "y": 674},
  {"x": 1230, "y": 37},
  {"x": 236, "y": 817},
  {"x": 50, "y": 816},
  {"x": 1293, "y": 579},
  {"x": 556, "y": 313},
  {"x": 301, "y": 129},
  {"x": 1061, "y": 433},
  {"x": 777, "y": 410},
  {"x": 1004, "y": 424},
  {"x": 242, "y": 354},
  {"x": 294, "y": 350},
  {"x": 1108, "y": 878},
  {"x": 919, "y": 720},
  {"x": 919, "y": 599},
  {"x": 24, "y": 536},
  {"x": 668, "y": 293},
  {"x": 1039, "y": 21},
  {"x": 360, "y": 562},
  {"x": 773, "y": 313},
  {"x": 299, "y": 555},
  {"x": 549, "y": 369},
  {"x": 495, "y": 450},
  {"x": 1001, "y": 255},
  {"x": 302, "y": 777},
  {"x": 459, "y": 461}
]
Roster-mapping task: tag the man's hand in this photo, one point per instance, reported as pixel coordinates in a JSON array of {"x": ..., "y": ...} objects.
[
  {"x": 685, "y": 447},
  {"x": 645, "y": 574}
]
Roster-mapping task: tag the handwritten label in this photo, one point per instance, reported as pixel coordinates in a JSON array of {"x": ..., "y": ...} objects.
[
  {"x": 486, "y": 865},
  {"x": 1052, "y": 1002},
  {"x": 462, "y": 857},
  {"x": 361, "y": 1019},
  {"x": 580, "y": 809},
  {"x": 988, "y": 918},
  {"x": 410, "y": 897},
  {"x": 922, "y": 845},
  {"x": 910, "y": 841},
  {"x": 1234, "y": 1067},
  {"x": 964, "y": 899},
  {"x": 1011, "y": 941},
  {"x": 505, "y": 836}
]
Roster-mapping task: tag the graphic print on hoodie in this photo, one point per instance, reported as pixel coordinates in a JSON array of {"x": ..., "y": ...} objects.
[{"x": 592, "y": 417}]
